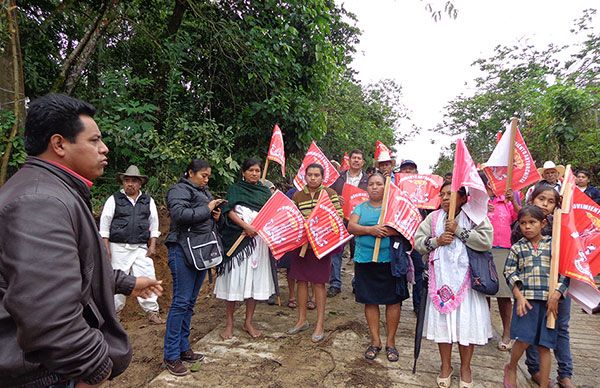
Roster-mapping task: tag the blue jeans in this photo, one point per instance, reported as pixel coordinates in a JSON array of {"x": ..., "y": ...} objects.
[
  {"x": 335, "y": 279},
  {"x": 562, "y": 353},
  {"x": 417, "y": 288},
  {"x": 186, "y": 286}
]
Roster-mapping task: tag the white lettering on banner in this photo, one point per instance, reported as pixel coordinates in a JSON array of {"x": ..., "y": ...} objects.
[
  {"x": 428, "y": 178},
  {"x": 333, "y": 216},
  {"x": 319, "y": 232},
  {"x": 294, "y": 221},
  {"x": 525, "y": 155},
  {"x": 581, "y": 206}
]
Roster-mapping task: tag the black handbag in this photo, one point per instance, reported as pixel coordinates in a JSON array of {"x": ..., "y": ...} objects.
[
  {"x": 484, "y": 277},
  {"x": 203, "y": 251}
]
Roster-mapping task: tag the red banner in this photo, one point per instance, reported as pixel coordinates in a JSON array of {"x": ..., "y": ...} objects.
[
  {"x": 276, "y": 149},
  {"x": 381, "y": 148},
  {"x": 280, "y": 224},
  {"x": 345, "y": 163},
  {"x": 524, "y": 171},
  {"x": 423, "y": 190},
  {"x": 315, "y": 155},
  {"x": 353, "y": 196},
  {"x": 402, "y": 214},
  {"x": 325, "y": 228}
]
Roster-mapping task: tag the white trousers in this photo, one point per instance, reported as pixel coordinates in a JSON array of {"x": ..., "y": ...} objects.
[{"x": 132, "y": 259}]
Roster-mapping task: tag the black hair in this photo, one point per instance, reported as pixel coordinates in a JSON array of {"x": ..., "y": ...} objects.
[
  {"x": 448, "y": 174},
  {"x": 315, "y": 165},
  {"x": 539, "y": 188},
  {"x": 376, "y": 174},
  {"x": 584, "y": 172},
  {"x": 53, "y": 114},
  {"x": 249, "y": 163},
  {"x": 462, "y": 191},
  {"x": 484, "y": 178},
  {"x": 195, "y": 166},
  {"x": 533, "y": 211},
  {"x": 371, "y": 170},
  {"x": 356, "y": 151}
]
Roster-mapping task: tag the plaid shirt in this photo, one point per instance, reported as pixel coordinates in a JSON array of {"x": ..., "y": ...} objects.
[{"x": 529, "y": 269}]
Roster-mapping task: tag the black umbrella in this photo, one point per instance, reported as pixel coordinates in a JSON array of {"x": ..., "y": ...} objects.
[
  {"x": 275, "y": 279},
  {"x": 420, "y": 320}
]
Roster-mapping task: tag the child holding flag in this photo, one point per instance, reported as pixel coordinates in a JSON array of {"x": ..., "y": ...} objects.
[{"x": 527, "y": 272}]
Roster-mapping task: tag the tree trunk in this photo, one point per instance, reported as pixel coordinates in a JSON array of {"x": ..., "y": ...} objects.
[{"x": 11, "y": 84}]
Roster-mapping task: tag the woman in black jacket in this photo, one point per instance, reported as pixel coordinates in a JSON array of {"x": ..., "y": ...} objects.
[{"x": 190, "y": 205}]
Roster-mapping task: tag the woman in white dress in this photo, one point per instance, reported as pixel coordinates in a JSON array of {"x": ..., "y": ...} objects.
[
  {"x": 246, "y": 274},
  {"x": 455, "y": 312}
]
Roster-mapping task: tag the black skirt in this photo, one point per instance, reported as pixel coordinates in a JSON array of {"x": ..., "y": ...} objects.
[{"x": 374, "y": 284}]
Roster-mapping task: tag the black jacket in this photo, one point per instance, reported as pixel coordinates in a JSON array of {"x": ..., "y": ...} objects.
[
  {"x": 338, "y": 185},
  {"x": 188, "y": 207},
  {"x": 57, "y": 314}
]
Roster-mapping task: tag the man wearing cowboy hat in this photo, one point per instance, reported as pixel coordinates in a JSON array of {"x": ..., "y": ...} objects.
[
  {"x": 129, "y": 228},
  {"x": 551, "y": 175},
  {"x": 385, "y": 165}
]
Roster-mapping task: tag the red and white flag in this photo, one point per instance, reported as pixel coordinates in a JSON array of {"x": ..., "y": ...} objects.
[
  {"x": 353, "y": 196},
  {"x": 423, "y": 190},
  {"x": 496, "y": 168},
  {"x": 280, "y": 224},
  {"x": 465, "y": 174},
  {"x": 315, "y": 155},
  {"x": 381, "y": 148},
  {"x": 325, "y": 228},
  {"x": 345, "y": 163},
  {"x": 276, "y": 149},
  {"x": 402, "y": 214},
  {"x": 580, "y": 244}
]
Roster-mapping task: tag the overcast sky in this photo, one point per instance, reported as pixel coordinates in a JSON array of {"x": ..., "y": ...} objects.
[{"x": 431, "y": 60}]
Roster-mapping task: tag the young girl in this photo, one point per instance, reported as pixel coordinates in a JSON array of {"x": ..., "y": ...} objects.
[
  {"x": 546, "y": 198},
  {"x": 527, "y": 272}
]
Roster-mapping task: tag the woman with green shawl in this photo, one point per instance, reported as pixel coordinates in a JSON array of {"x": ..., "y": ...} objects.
[{"x": 246, "y": 274}]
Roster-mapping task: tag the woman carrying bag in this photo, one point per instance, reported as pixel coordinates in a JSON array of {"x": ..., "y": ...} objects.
[{"x": 194, "y": 214}]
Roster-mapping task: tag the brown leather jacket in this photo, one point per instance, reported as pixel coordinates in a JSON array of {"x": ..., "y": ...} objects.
[{"x": 57, "y": 315}]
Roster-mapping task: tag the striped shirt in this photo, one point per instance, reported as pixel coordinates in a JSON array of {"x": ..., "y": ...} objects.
[
  {"x": 306, "y": 202},
  {"x": 529, "y": 269}
]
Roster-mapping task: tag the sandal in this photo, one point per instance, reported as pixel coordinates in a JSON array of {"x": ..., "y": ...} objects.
[
  {"x": 292, "y": 303},
  {"x": 372, "y": 352},
  {"x": 392, "y": 353},
  {"x": 505, "y": 347},
  {"x": 311, "y": 305},
  {"x": 444, "y": 382}
]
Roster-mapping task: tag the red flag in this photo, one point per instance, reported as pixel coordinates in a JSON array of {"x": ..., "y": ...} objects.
[
  {"x": 498, "y": 136},
  {"x": 353, "y": 196},
  {"x": 580, "y": 243},
  {"x": 280, "y": 224},
  {"x": 524, "y": 171},
  {"x": 381, "y": 148},
  {"x": 325, "y": 228},
  {"x": 345, "y": 163},
  {"x": 276, "y": 149},
  {"x": 423, "y": 190},
  {"x": 315, "y": 155},
  {"x": 465, "y": 174},
  {"x": 402, "y": 214}
]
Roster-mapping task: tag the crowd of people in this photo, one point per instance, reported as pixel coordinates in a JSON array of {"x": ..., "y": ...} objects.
[{"x": 50, "y": 244}]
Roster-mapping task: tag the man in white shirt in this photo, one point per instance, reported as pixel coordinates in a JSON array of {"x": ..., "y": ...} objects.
[{"x": 129, "y": 228}]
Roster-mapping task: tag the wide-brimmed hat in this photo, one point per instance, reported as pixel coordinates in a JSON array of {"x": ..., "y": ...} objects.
[
  {"x": 549, "y": 165},
  {"x": 384, "y": 156},
  {"x": 132, "y": 171}
]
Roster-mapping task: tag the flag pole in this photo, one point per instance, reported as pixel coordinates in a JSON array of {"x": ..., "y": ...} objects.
[
  {"x": 264, "y": 173},
  {"x": 452, "y": 209},
  {"x": 386, "y": 194},
  {"x": 235, "y": 244},
  {"x": 514, "y": 122},
  {"x": 554, "y": 262}
]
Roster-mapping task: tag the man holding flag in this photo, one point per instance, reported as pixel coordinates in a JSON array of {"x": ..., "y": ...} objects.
[{"x": 356, "y": 177}]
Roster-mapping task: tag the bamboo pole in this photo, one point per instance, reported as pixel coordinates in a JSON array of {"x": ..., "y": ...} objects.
[
  {"x": 386, "y": 194},
  {"x": 452, "y": 209},
  {"x": 303, "y": 250},
  {"x": 236, "y": 244},
  {"x": 554, "y": 262},
  {"x": 264, "y": 173},
  {"x": 514, "y": 122}
]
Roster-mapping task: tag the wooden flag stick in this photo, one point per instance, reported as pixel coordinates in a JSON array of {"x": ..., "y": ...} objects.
[
  {"x": 514, "y": 122},
  {"x": 554, "y": 262},
  {"x": 236, "y": 244},
  {"x": 452, "y": 209},
  {"x": 303, "y": 250},
  {"x": 264, "y": 174},
  {"x": 386, "y": 194}
]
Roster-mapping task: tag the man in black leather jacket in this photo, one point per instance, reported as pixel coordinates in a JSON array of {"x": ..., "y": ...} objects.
[{"x": 57, "y": 319}]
